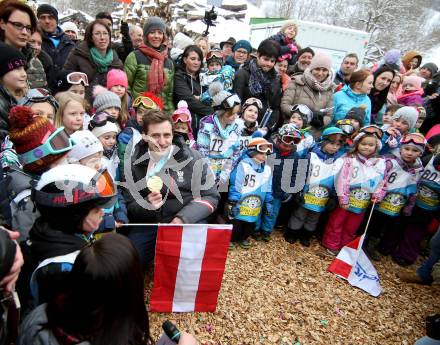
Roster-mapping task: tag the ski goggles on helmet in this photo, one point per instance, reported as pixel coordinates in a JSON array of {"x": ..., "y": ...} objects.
[
  {"x": 346, "y": 126},
  {"x": 146, "y": 102},
  {"x": 262, "y": 148},
  {"x": 230, "y": 102},
  {"x": 52, "y": 144},
  {"x": 302, "y": 109},
  {"x": 77, "y": 78},
  {"x": 182, "y": 117},
  {"x": 290, "y": 140},
  {"x": 101, "y": 186},
  {"x": 39, "y": 95},
  {"x": 413, "y": 138},
  {"x": 214, "y": 54},
  {"x": 253, "y": 101},
  {"x": 372, "y": 129}
]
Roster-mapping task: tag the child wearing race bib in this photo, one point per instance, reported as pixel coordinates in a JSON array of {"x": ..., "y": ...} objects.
[
  {"x": 426, "y": 209},
  {"x": 286, "y": 180},
  {"x": 218, "y": 138},
  {"x": 360, "y": 181},
  {"x": 404, "y": 169},
  {"x": 301, "y": 116},
  {"x": 323, "y": 166},
  {"x": 250, "y": 191},
  {"x": 247, "y": 122}
]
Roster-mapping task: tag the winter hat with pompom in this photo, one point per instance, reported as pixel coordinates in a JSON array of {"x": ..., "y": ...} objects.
[
  {"x": 105, "y": 99},
  {"x": 27, "y": 132},
  {"x": 116, "y": 77},
  {"x": 218, "y": 94},
  {"x": 182, "y": 108}
]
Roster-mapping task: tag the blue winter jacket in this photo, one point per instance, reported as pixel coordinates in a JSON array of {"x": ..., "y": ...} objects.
[{"x": 346, "y": 99}]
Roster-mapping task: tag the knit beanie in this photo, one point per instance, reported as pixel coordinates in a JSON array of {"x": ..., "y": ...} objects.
[
  {"x": 47, "y": 9},
  {"x": 356, "y": 113},
  {"x": 243, "y": 44},
  {"x": 182, "y": 108},
  {"x": 86, "y": 144},
  {"x": 432, "y": 67},
  {"x": 414, "y": 140},
  {"x": 109, "y": 127},
  {"x": 407, "y": 114},
  {"x": 218, "y": 94},
  {"x": 154, "y": 23},
  {"x": 10, "y": 59},
  {"x": 287, "y": 24},
  {"x": 69, "y": 26},
  {"x": 105, "y": 99},
  {"x": 116, "y": 77},
  {"x": 321, "y": 60},
  {"x": 412, "y": 80},
  {"x": 392, "y": 56},
  {"x": 27, "y": 132},
  {"x": 305, "y": 50}
]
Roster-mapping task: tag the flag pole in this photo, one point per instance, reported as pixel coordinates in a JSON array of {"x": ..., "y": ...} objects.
[{"x": 369, "y": 217}]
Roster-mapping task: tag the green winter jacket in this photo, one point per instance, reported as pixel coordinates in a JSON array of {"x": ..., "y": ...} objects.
[{"x": 137, "y": 66}]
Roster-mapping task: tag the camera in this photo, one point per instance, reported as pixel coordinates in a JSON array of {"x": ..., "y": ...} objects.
[{"x": 210, "y": 16}]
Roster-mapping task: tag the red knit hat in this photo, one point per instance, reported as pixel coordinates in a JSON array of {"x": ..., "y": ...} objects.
[
  {"x": 116, "y": 77},
  {"x": 28, "y": 131}
]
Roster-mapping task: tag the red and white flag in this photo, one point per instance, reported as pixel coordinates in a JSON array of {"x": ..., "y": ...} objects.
[
  {"x": 188, "y": 267},
  {"x": 353, "y": 265}
]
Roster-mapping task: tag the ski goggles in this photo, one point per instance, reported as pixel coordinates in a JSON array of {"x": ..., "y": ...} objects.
[
  {"x": 253, "y": 101},
  {"x": 413, "y": 138},
  {"x": 100, "y": 186},
  {"x": 337, "y": 139},
  {"x": 100, "y": 120},
  {"x": 52, "y": 144},
  {"x": 346, "y": 126},
  {"x": 302, "y": 109},
  {"x": 39, "y": 95},
  {"x": 76, "y": 78},
  {"x": 262, "y": 148},
  {"x": 372, "y": 129},
  {"x": 181, "y": 118},
  {"x": 230, "y": 102},
  {"x": 214, "y": 54},
  {"x": 146, "y": 102},
  {"x": 290, "y": 140}
]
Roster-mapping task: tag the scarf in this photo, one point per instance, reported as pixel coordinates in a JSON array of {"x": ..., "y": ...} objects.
[
  {"x": 312, "y": 83},
  {"x": 258, "y": 80},
  {"x": 102, "y": 62},
  {"x": 108, "y": 153},
  {"x": 156, "y": 75}
]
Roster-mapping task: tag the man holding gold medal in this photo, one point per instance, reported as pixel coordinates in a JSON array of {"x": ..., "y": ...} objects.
[{"x": 165, "y": 182}]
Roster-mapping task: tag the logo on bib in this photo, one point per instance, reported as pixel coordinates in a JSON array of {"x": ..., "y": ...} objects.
[
  {"x": 359, "y": 198},
  {"x": 250, "y": 206}
]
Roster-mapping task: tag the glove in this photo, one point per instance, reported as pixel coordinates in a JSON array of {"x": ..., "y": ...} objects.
[
  {"x": 286, "y": 56},
  {"x": 268, "y": 209},
  {"x": 124, "y": 29},
  {"x": 233, "y": 210},
  {"x": 293, "y": 48}
]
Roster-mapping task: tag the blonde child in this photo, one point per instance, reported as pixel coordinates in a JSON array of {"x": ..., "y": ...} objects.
[
  {"x": 286, "y": 39},
  {"x": 71, "y": 112},
  {"x": 117, "y": 82},
  {"x": 360, "y": 181}
]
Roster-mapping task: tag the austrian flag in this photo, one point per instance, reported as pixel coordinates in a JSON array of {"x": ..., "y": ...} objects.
[{"x": 188, "y": 269}]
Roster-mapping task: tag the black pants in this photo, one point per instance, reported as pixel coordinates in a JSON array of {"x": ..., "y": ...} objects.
[{"x": 241, "y": 230}]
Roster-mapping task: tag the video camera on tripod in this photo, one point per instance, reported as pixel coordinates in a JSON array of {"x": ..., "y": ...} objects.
[{"x": 210, "y": 17}]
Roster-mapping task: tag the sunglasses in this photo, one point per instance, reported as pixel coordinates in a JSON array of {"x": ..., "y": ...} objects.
[
  {"x": 415, "y": 138},
  {"x": 180, "y": 118},
  {"x": 76, "y": 78},
  {"x": 230, "y": 101},
  {"x": 373, "y": 129},
  {"x": 52, "y": 144},
  {"x": 254, "y": 101},
  {"x": 265, "y": 148},
  {"x": 145, "y": 102},
  {"x": 290, "y": 140}
]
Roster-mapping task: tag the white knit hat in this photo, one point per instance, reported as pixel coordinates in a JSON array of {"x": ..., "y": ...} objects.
[
  {"x": 86, "y": 144},
  {"x": 407, "y": 114},
  {"x": 69, "y": 26},
  {"x": 109, "y": 127}
]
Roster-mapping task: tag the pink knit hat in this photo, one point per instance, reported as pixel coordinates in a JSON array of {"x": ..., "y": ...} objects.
[
  {"x": 116, "y": 77},
  {"x": 412, "y": 80},
  {"x": 321, "y": 60},
  {"x": 182, "y": 108}
]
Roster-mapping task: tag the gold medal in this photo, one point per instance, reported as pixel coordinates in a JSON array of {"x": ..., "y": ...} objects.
[{"x": 154, "y": 184}]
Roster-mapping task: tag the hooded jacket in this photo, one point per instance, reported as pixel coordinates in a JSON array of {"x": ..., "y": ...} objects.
[
  {"x": 409, "y": 56},
  {"x": 7, "y": 101},
  {"x": 60, "y": 53},
  {"x": 346, "y": 99}
]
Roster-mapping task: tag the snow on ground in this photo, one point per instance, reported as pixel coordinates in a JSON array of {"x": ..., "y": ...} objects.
[{"x": 433, "y": 55}]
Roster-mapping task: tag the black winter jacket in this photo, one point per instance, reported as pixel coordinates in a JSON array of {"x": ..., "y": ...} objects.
[{"x": 60, "y": 53}]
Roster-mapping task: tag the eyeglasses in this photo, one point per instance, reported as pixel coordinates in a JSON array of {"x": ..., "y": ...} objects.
[
  {"x": 52, "y": 144},
  {"x": 101, "y": 34},
  {"x": 242, "y": 52},
  {"x": 214, "y": 54},
  {"x": 76, "y": 78},
  {"x": 265, "y": 148},
  {"x": 290, "y": 140},
  {"x": 19, "y": 26},
  {"x": 145, "y": 102},
  {"x": 372, "y": 129},
  {"x": 180, "y": 118},
  {"x": 254, "y": 101},
  {"x": 415, "y": 138},
  {"x": 230, "y": 102}
]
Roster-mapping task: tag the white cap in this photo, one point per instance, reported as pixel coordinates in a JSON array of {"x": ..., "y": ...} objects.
[
  {"x": 69, "y": 26},
  {"x": 107, "y": 128},
  {"x": 86, "y": 144}
]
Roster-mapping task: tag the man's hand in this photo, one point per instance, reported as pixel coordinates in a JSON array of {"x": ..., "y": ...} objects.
[
  {"x": 8, "y": 282},
  {"x": 177, "y": 220},
  {"x": 155, "y": 199}
]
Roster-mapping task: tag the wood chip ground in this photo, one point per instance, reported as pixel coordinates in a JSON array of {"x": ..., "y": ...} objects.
[{"x": 279, "y": 293}]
